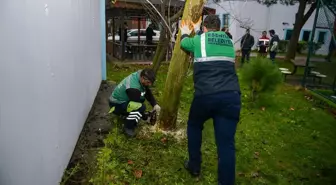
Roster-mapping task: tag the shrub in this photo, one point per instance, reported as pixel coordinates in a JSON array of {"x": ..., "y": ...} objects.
[
  {"x": 316, "y": 46},
  {"x": 301, "y": 47},
  {"x": 283, "y": 44},
  {"x": 262, "y": 76}
]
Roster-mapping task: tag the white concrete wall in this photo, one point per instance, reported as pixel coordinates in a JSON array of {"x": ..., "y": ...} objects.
[
  {"x": 50, "y": 71},
  {"x": 260, "y": 18}
]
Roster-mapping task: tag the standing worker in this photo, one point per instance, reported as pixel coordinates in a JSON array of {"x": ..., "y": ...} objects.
[
  {"x": 246, "y": 45},
  {"x": 217, "y": 95}
]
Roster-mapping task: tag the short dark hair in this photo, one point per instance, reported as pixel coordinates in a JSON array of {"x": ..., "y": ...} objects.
[
  {"x": 272, "y": 31},
  {"x": 212, "y": 22},
  {"x": 148, "y": 74}
]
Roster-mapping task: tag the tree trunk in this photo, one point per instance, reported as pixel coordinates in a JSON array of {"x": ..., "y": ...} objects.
[
  {"x": 161, "y": 55},
  {"x": 177, "y": 70},
  {"x": 163, "y": 41},
  {"x": 160, "y": 47},
  {"x": 300, "y": 20}
]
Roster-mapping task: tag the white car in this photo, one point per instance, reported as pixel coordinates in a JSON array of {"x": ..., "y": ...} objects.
[{"x": 132, "y": 36}]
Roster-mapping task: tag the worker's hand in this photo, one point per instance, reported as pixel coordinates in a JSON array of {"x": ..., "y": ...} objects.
[
  {"x": 157, "y": 108},
  {"x": 185, "y": 27},
  {"x": 197, "y": 25}
]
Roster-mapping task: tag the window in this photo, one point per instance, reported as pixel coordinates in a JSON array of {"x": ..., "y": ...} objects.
[
  {"x": 225, "y": 20},
  {"x": 321, "y": 37},
  {"x": 288, "y": 34},
  {"x": 306, "y": 35},
  {"x": 134, "y": 33}
]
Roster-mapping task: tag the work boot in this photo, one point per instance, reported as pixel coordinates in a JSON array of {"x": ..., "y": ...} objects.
[
  {"x": 129, "y": 132},
  {"x": 192, "y": 172}
]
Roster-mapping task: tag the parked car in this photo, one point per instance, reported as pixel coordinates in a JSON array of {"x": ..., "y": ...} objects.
[{"x": 132, "y": 36}]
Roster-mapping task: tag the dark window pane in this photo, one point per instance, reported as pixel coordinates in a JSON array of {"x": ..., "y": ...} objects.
[
  {"x": 306, "y": 35},
  {"x": 288, "y": 34},
  {"x": 225, "y": 20},
  {"x": 321, "y": 37}
]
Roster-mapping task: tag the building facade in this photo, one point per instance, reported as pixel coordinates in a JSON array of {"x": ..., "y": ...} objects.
[
  {"x": 50, "y": 72},
  {"x": 238, "y": 15}
]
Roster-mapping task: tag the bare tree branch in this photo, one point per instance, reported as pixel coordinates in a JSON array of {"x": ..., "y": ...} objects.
[
  {"x": 309, "y": 12},
  {"x": 175, "y": 17}
]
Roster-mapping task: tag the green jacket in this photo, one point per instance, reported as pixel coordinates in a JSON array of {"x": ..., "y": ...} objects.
[
  {"x": 131, "y": 89},
  {"x": 214, "y": 62}
]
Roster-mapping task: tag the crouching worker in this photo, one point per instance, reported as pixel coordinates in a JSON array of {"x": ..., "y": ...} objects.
[{"x": 128, "y": 98}]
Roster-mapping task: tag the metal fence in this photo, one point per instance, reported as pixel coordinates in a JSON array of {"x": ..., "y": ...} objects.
[{"x": 320, "y": 76}]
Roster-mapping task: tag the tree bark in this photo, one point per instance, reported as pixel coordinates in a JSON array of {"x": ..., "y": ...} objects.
[
  {"x": 160, "y": 55},
  {"x": 300, "y": 19},
  {"x": 162, "y": 45},
  {"x": 175, "y": 17},
  {"x": 177, "y": 71}
]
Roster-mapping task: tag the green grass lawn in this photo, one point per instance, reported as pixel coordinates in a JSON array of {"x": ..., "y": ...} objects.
[
  {"x": 326, "y": 68},
  {"x": 297, "y": 54},
  {"x": 288, "y": 142}
]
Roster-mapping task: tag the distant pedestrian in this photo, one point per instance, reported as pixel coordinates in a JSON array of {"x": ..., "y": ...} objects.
[
  {"x": 149, "y": 34},
  {"x": 263, "y": 44},
  {"x": 274, "y": 43},
  {"x": 126, "y": 48},
  {"x": 226, "y": 30},
  {"x": 125, "y": 32},
  {"x": 246, "y": 45}
]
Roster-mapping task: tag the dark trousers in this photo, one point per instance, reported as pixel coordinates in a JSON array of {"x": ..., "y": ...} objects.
[
  {"x": 148, "y": 49},
  {"x": 131, "y": 118},
  {"x": 149, "y": 42},
  {"x": 224, "y": 109},
  {"x": 272, "y": 55},
  {"x": 263, "y": 55},
  {"x": 262, "y": 51},
  {"x": 245, "y": 54}
]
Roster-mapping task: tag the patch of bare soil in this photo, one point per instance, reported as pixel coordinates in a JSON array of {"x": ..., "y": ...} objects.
[{"x": 97, "y": 126}]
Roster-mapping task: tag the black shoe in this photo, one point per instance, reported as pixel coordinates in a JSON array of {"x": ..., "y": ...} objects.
[
  {"x": 193, "y": 173},
  {"x": 129, "y": 132}
]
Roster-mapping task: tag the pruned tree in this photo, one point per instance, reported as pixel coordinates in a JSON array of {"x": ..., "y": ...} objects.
[
  {"x": 165, "y": 36},
  {"x": 160, "y": 14},
  {"x": 301, "y": 18},
  {"x": 177, "y": 70}
]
